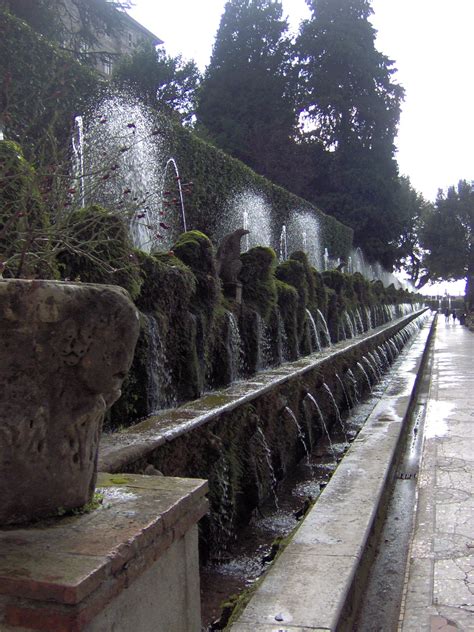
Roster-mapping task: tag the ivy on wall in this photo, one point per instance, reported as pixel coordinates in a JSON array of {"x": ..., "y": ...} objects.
[
  {"x": 42, "y": 89},
  {"x": 217, "y": 177}
]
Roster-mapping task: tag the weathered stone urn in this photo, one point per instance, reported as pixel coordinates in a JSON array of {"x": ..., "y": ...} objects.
[{"x": 65, "y": 350}]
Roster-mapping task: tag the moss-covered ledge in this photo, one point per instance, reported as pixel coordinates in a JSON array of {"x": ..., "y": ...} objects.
[{"x": 121, "y": 450}]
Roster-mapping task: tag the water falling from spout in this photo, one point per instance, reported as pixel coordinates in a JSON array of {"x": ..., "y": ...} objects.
[
  {"x": 364, "y": 373},
  {"x": 224, "y": 516},
  {"x": 324, "y": 325},
  {"x": 358, "y": 322},
  {"x": 309, "y": 397},
  {"x": 283, "y": 245},
  {"x": 236, "y": 348},
  {"x": 326, "y": 259},
  {"x": 336, "y": 409},
  {"x": 282, "y": 339},
  {"x": 370, "y": 367},
  {"x": 349, "y": 403},
  {"x": 355, "y": 385},
  {"x": 158, "y": 374},
  {"x": 349, "y": 326},
  {"x": 264, "y": 344},
  {"x": 172, "y": 161},
  {"x": 299, "y": 429},
  {"x": 315, "y": 341},
  {"x": 268, "y": 460}
]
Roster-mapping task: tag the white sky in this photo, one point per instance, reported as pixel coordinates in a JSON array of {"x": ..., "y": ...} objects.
[{"x": 432, "y": 44}]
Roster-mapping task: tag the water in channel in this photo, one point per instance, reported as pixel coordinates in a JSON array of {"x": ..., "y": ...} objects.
[{"x": 255, "y": 546}]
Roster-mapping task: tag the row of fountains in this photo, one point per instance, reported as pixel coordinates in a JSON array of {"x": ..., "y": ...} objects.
[
  {"x": 120, "y": 160},
  {"x": 246, "y": 455},
  {"x": 310, "y": 421},
  {"x": 271, "y": 346}
]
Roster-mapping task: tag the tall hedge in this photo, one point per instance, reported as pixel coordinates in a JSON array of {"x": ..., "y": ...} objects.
[
  {"x": 216, "y": 177},
  {"x": 43, "y": 89}
]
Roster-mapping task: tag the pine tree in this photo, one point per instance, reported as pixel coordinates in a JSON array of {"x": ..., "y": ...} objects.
[
  {"x": 351, "y": 107},
  {"x": 246, "y": 103}
]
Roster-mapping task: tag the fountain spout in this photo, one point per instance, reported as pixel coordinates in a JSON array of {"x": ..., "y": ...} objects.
[
  {"x": 78, "y": 150},
  {"x": 172, "y": 161}
]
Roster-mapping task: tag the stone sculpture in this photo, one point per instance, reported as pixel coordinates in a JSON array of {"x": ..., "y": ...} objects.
[
  {"x": 229, "y": 264},
  {"x": 66, "y": 349}
]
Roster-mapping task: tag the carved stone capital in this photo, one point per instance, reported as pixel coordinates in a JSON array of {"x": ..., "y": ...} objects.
[{"x": 66, "y": 349}]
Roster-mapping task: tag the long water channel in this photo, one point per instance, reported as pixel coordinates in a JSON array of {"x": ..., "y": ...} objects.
[{"x": 236, "y": 570}]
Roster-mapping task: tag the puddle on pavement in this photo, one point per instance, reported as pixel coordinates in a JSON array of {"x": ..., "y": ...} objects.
[{"x": 436, "y": 424}]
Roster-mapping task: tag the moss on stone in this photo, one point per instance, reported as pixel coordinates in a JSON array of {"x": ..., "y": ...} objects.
[
  {"x": 310, "y": 280},
  {"x": 334, "y": 280},
  {"x": 292, "y": 272},
  {"x": 103, "y": 252},
  {"x": 167, "y": 284},
  {"x": 288, "y": 306},
  {"x": 320, "y": 292},
  {"x": 361, "y": 288},
  {"x": 196, "y": 250},
  {"x": 258, "y": 279}
]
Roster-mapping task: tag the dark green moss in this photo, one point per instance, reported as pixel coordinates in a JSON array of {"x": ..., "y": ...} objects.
[
  {"x": 361, "y": 288},
  {"x": 334, "y": 280},
  {"x": 167, "y": 284},
  {"x": 320, "y": 292},
  {"x": 293, "y": 272},
  {"x": 288, "y": 305},
  {"x": 197, "y": 252},
  {"x": 100, "y": 250},
  {"x": 258, "y": 279}
]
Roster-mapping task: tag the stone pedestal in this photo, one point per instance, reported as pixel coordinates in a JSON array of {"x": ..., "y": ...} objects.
[{"x": 129, "y": 566}]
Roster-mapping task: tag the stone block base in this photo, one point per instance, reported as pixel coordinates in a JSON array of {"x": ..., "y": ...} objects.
[{"x": 130, "y": 565}]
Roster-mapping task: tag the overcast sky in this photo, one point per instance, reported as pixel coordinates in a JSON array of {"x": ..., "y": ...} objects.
[{"x": 432, "y": 44}]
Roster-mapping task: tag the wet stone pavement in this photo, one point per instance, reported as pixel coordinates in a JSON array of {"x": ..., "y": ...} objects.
[{"x": 439, "y": 588}]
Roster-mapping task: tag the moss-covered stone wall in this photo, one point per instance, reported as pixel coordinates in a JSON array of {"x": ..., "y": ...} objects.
[
  {"x": 245, "y": 450},
  {"x": 193, "y": 337},
  {"x": 287, "y": 311}
]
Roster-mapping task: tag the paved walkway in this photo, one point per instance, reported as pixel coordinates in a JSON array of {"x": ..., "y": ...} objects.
[{"x": 439, "y": 593}]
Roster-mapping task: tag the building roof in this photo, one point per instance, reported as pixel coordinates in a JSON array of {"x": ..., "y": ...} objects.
[{"x": 151, "y": 36}]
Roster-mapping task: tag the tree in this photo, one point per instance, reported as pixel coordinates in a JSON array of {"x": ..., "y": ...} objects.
[
  {"x": 349, "y": 96},
  {"x": 246, "y": 101},
  {"x": 160, "y": 81},
  {"x": 447, "y": 234},
  {"x": 351, "y": 107},
  {"x": 411, "y": 209}
]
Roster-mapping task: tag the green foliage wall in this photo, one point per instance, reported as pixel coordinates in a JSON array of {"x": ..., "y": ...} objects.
[
  {"x": 216, "y": 177},
  {"x": 41, "y": 91}
]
